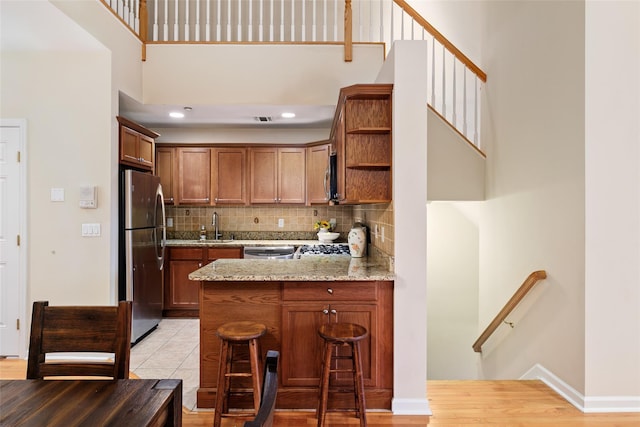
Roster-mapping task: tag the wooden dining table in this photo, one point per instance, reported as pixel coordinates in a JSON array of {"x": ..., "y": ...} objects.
[{"x": 130, "y": 402}]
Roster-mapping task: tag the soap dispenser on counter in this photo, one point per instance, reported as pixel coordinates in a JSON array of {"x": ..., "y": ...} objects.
[
  {"x": 357, "y": 239},
  {"x": 203, "y": 232}
]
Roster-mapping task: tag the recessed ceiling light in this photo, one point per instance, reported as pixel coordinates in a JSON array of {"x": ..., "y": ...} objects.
[
  {"x": 288, "y": 115},
  {"x": 176, "y": 115}
]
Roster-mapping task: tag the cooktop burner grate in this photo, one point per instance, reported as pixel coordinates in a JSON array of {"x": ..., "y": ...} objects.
[{"x": 323, "y": 250}]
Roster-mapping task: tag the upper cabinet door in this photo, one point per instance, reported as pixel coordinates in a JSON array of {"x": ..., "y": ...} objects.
[
  {"x": 229, "y": 175},
  {"x": 264, "y": 175},
  {"x": 194, "y": 175},
  {"x": 291, "y": 175},
  {"x": 318, "y": 174},
  {"x": 165, "y": 169},
  {"x": 137, "y": 145}
]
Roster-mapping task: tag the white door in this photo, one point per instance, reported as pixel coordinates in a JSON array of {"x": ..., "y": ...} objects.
[{"x": 12, "y": 249}]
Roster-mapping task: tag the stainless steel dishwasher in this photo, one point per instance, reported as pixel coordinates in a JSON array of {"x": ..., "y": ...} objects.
[{"x": 269, "y": 252}]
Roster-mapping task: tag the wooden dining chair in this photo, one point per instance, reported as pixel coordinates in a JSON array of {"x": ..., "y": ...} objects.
[
  {"x": 264, "y": 417},
  {"x": 80, "y": 329}
]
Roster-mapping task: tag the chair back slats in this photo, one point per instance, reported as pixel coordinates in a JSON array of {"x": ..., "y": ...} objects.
[{"x": 79, "y": 329}]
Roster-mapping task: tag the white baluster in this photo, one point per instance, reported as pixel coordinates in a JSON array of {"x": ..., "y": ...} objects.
[
  {"x": 313, "y": 21},
  {"x": 186, "y": 20},
  {"x": 453, "y": 120},
  {"x": 433, "y": 72},
  {"x": 197, "y": 27},
  {"x": 370, "y": 22},
  {"x": 335, "y": 20},
  {"x": 260, "y": 24},
  {"x": 391, "y": 32},
  {"x": 132, "y": 15},
  {"x": 165, "y": 25},
  {"x": 304, "y": 21},
  {"x": 464, "y": 103},
  {"x": 219, "y": 22},
  {"x": 155, "y": 20},
  {"x": 444, "y": 79},
  {"x": 229, "y": 21},
  {"x": 360, "y": 21},
  {"x": 475, "y": 120},
  {"x": 239, "y": 20},
  {"x": 250, "y": 29},
  {"x": 136, "y": 16},
  {"x": 176, "y": 26},
  {"x": 271, "y": 24},
  {"x": 382, "y": 23},
  {"x": 324, "y": 21},
  {"x": 281, "y": 21},
  {"x": 207, "y": 26},
  {"x": 402, "y": 24},
  {"x": 293, "y": 21},
  {"x": 125, "y": 11}
]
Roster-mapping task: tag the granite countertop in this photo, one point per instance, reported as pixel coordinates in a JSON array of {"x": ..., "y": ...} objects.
[
  {"x": 238, "y": 243},
  {"x": 306, "y": 269}
]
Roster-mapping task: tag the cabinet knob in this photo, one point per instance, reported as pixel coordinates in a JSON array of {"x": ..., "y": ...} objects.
[
  {"x": 333, "y": 311},
  {"x": 215, "y": 199},
  {"x": 199, "y": 264},
  {"x": 325, "y": 311},
  {"x": 330, "y": 291}
]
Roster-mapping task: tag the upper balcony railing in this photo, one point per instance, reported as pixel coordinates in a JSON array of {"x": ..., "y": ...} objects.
[{"x": 454, "y": 81}]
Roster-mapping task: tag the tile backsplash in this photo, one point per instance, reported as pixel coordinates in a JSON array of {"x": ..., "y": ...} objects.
[
  {"x": 254, "y": 222},
  {"x": 377, "y": 218}
]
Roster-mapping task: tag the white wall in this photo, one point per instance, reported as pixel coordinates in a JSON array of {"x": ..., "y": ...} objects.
[
  {"x": 612, "y": 282},
  {"x": 406, "y": 68},
  {"x": 452, "y": 291},
  {"x": 65, "y": 98},
  {"x": 533, "y": 218},
  {"x": 254, "y": 74}
]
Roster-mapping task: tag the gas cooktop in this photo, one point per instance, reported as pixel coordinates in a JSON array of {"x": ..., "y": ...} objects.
[{"x": 335, "y": 249}]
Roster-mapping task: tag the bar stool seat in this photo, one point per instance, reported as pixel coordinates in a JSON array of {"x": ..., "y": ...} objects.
[
  {"x": 337, "y": 335},
  {"x": 233, "y": 335}
]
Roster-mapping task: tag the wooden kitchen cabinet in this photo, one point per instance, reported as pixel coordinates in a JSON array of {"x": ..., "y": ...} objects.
[
  {"x": 361, "y": 136},
  {"x": 277, "y": 175},
  {"x": 229, "y": 176},
  {"x": 305, "y": 308},
  {"x": 194, "y": 175},
  {"x": 137, "y": 145},
  {"x": 318, "y": 173},
  {"x": 293, "y": 312},
  {"x": 166, "y": 169},
  {"x": 181, "y": 295}
]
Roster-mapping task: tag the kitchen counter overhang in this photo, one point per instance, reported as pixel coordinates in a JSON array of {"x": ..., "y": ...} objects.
[{"x": 305, "y": 269}]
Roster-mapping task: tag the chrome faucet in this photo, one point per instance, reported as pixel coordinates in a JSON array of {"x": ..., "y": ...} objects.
[{"x": 216, "y": 226}]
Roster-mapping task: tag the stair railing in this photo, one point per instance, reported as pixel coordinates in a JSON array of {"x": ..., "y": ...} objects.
[
  {"x": 455, "y": 82},
  {"x": 501, "y": 317}
]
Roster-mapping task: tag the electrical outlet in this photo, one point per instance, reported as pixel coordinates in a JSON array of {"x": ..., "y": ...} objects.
[
  {"x": 281, "y": 222},
  {"x": 382, "y": 233}
]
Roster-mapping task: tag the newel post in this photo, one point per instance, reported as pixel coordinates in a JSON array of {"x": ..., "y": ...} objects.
[
  {"x": 144, "y": 27},
  {"x": 348, "y": 45}
]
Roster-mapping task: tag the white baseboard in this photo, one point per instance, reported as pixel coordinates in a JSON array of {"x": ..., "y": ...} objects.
[
  {"x": 410, "y": 407},
  {"x": 586, "y": 404}
]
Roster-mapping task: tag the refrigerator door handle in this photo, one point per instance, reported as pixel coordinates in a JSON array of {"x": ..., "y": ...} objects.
[{"x": 160, "y": 248}]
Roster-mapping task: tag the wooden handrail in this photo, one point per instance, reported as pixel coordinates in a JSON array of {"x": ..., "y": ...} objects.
[
  {"x": 442, "y": 39},
  {"x": 508, "y": 307}
]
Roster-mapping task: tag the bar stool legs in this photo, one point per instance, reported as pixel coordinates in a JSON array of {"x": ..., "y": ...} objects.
[
  {"x": 233, "y": 335},
  {"x": 337, "y": 335}
]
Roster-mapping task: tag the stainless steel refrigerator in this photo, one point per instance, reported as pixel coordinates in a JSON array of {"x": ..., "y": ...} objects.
[{"x": 142, "y": 243}]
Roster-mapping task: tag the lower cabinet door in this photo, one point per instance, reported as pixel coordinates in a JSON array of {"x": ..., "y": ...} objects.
[
  {"x": 302, "y": 347},
  {"x": 183, "y": 293}
]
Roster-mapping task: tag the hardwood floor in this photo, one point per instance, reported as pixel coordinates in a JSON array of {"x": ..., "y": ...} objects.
[{"x": 454, "y": 403}]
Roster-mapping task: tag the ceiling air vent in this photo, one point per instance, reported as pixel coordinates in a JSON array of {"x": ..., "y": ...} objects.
[{"x": 263, "y": 118}]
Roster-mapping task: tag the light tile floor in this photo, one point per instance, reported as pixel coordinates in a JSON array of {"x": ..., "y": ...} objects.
[{"x": 171, "y": 351}]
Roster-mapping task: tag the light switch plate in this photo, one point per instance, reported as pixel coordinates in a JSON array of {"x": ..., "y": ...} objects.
[{"x": 90, "y": 230}]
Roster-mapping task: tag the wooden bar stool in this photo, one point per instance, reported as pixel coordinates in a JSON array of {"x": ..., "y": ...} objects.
[
  {"x": 336, "y": 335},
  {"x": 233, "y": 335}
]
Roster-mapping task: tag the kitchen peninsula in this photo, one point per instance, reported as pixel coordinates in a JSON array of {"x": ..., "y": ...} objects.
[{"x": 293, "y": 297}]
